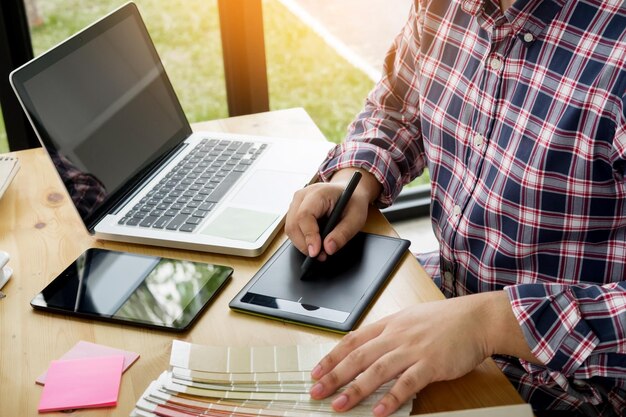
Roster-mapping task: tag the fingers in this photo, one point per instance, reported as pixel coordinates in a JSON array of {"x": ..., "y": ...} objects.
[
  {"x": 314, "y": 206},
  {"x": 291, "y": 224},
  {"x": 353, "y": 219},
  {"x": 365, "y": 360},
  {"x": 376, "y": 370},
  {"x": 317, "y": 201},
  {"x": 414, "y": 378},
  {"x": 412, "y": 381},
  {"x": 333, "y": 371},
  {"x": 301, "y": 222},
  {"x": 419, "y": 344},
  {"x": 382, "y": 369}
]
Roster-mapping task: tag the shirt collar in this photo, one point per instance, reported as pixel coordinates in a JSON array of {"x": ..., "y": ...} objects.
[
  {"x": 528, "y": 16},
  {"x": 533, "y": 16},
  {"x": 472, "y": 7}
]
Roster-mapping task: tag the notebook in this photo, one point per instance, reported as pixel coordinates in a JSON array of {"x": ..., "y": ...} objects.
[
  {"x": 105, "y": 111},
  {"x": 9, "y": 165}
]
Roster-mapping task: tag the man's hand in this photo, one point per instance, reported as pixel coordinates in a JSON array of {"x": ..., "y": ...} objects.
[
  {"x": 429, "y": 342},
  {"x": 317, "y": 201}
]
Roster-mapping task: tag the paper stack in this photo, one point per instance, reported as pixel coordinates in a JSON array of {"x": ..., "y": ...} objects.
[
  {"x": 9, "y": 165},
  {"x": 227, "y": 381},
  {"x": 82, "y": 383}
]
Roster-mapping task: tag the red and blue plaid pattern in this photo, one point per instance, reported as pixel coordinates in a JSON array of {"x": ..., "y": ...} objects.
[{"x": 520, "y": 118}]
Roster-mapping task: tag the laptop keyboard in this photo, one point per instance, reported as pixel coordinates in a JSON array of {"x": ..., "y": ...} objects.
[{"x": 188, "y": 193}]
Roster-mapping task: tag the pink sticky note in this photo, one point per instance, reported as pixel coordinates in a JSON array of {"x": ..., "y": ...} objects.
[
  {"x": 82, "y": 383},
  {"x": 84, "y": 349}
]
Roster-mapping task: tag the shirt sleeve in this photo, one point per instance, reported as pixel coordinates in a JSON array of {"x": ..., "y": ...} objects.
[
  {"x": 576, "y": 330},
  {"x": 385, "y": 138}
]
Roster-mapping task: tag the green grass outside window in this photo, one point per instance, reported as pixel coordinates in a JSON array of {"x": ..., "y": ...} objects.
[{"x": 303, "y": 71}]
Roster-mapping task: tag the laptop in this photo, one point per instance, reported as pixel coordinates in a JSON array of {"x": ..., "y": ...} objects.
[{"x": 106, "y": 113}]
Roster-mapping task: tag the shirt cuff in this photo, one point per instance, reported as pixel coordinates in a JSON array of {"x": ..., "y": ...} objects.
[
  {"x": 370, "y": 158},
  {"x": 552, "y": 324}
]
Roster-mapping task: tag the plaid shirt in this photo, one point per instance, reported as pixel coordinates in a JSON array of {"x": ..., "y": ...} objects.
[{"x": 520, "y": 118}]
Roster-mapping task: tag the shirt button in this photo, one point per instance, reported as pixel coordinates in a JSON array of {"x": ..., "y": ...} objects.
[
  {"x": 456, "y": 210},
  {"x": 496, "y": 64},
  {"x": 448, "y": 276},
  {"x": 478, "y": 140},
  {"x": 579, "y": 383},
  {"x": 528, "y": 37}
]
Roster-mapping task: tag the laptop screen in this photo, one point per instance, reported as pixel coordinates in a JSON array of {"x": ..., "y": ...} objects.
[{"x": 103, "y": 107}]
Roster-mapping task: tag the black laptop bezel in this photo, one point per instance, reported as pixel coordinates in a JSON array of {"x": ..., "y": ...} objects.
[{"x": 34, "y": 67}]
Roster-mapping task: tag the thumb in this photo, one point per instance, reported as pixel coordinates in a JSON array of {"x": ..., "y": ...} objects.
[{"x": 353, "y": 220}]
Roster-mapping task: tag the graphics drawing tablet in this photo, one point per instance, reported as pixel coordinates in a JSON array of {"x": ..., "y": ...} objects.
[{"x": 337, "y": 292}]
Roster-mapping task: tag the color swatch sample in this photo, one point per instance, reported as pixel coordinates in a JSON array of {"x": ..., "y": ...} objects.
[
  {"x": 262, "y": 381},
  {"x": 82, "y": 383}
]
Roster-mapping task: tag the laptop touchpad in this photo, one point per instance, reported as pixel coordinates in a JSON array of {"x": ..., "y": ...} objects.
[
  {"x": 256, "y": 206},
  {"x": 240, "y": 224},
  {"x": 270, "y": 191}
]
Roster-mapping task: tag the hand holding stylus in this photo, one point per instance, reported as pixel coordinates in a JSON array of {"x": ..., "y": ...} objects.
[
  {"x": 333, "y": 219},
  {"x": 317, "y": 201}
]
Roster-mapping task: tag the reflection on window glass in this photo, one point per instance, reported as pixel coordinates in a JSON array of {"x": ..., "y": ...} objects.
[
  {"x": 303, "y": 70},
  {"x": 328, "y": 61},
  {"x": 186, "y": 35}
]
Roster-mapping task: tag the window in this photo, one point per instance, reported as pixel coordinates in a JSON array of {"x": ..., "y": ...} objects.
[{"x": 317, "y": 57}]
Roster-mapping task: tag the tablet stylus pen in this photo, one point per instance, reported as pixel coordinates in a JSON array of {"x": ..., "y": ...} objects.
[{"x": 333, "y": 219}]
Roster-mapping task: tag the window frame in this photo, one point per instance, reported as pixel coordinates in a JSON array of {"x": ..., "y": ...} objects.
[{"x": 243, "y": 47}]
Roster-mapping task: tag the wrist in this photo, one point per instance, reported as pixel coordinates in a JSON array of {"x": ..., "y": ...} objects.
[
  {"x": 369, "y": 188},
  {"x": 502, "y": 332}
]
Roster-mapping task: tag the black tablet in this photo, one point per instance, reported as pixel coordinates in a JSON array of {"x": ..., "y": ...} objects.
[
  {"x": 134, "y": 289},
  {"x": 335, "y": 294}
]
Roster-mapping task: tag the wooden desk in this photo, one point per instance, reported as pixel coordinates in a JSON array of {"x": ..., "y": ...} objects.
[{"x": 43, "y": 234}]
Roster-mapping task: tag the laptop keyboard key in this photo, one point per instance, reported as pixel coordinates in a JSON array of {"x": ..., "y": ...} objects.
[
  {"x": 133, "y": 221},
  {"x": 148, "y": 221},
  {"x": 243, "y": 149},
  {"x": 200, "y": 213},
  {"x": 224, "y": 186},
  {"x": 161, "y": 222},
  {"x": 139, "y": 215},
  {"x": 176, "y": 222},
  {"x": 206, "y": 206},
  {"x": 187, "y": 227}
]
